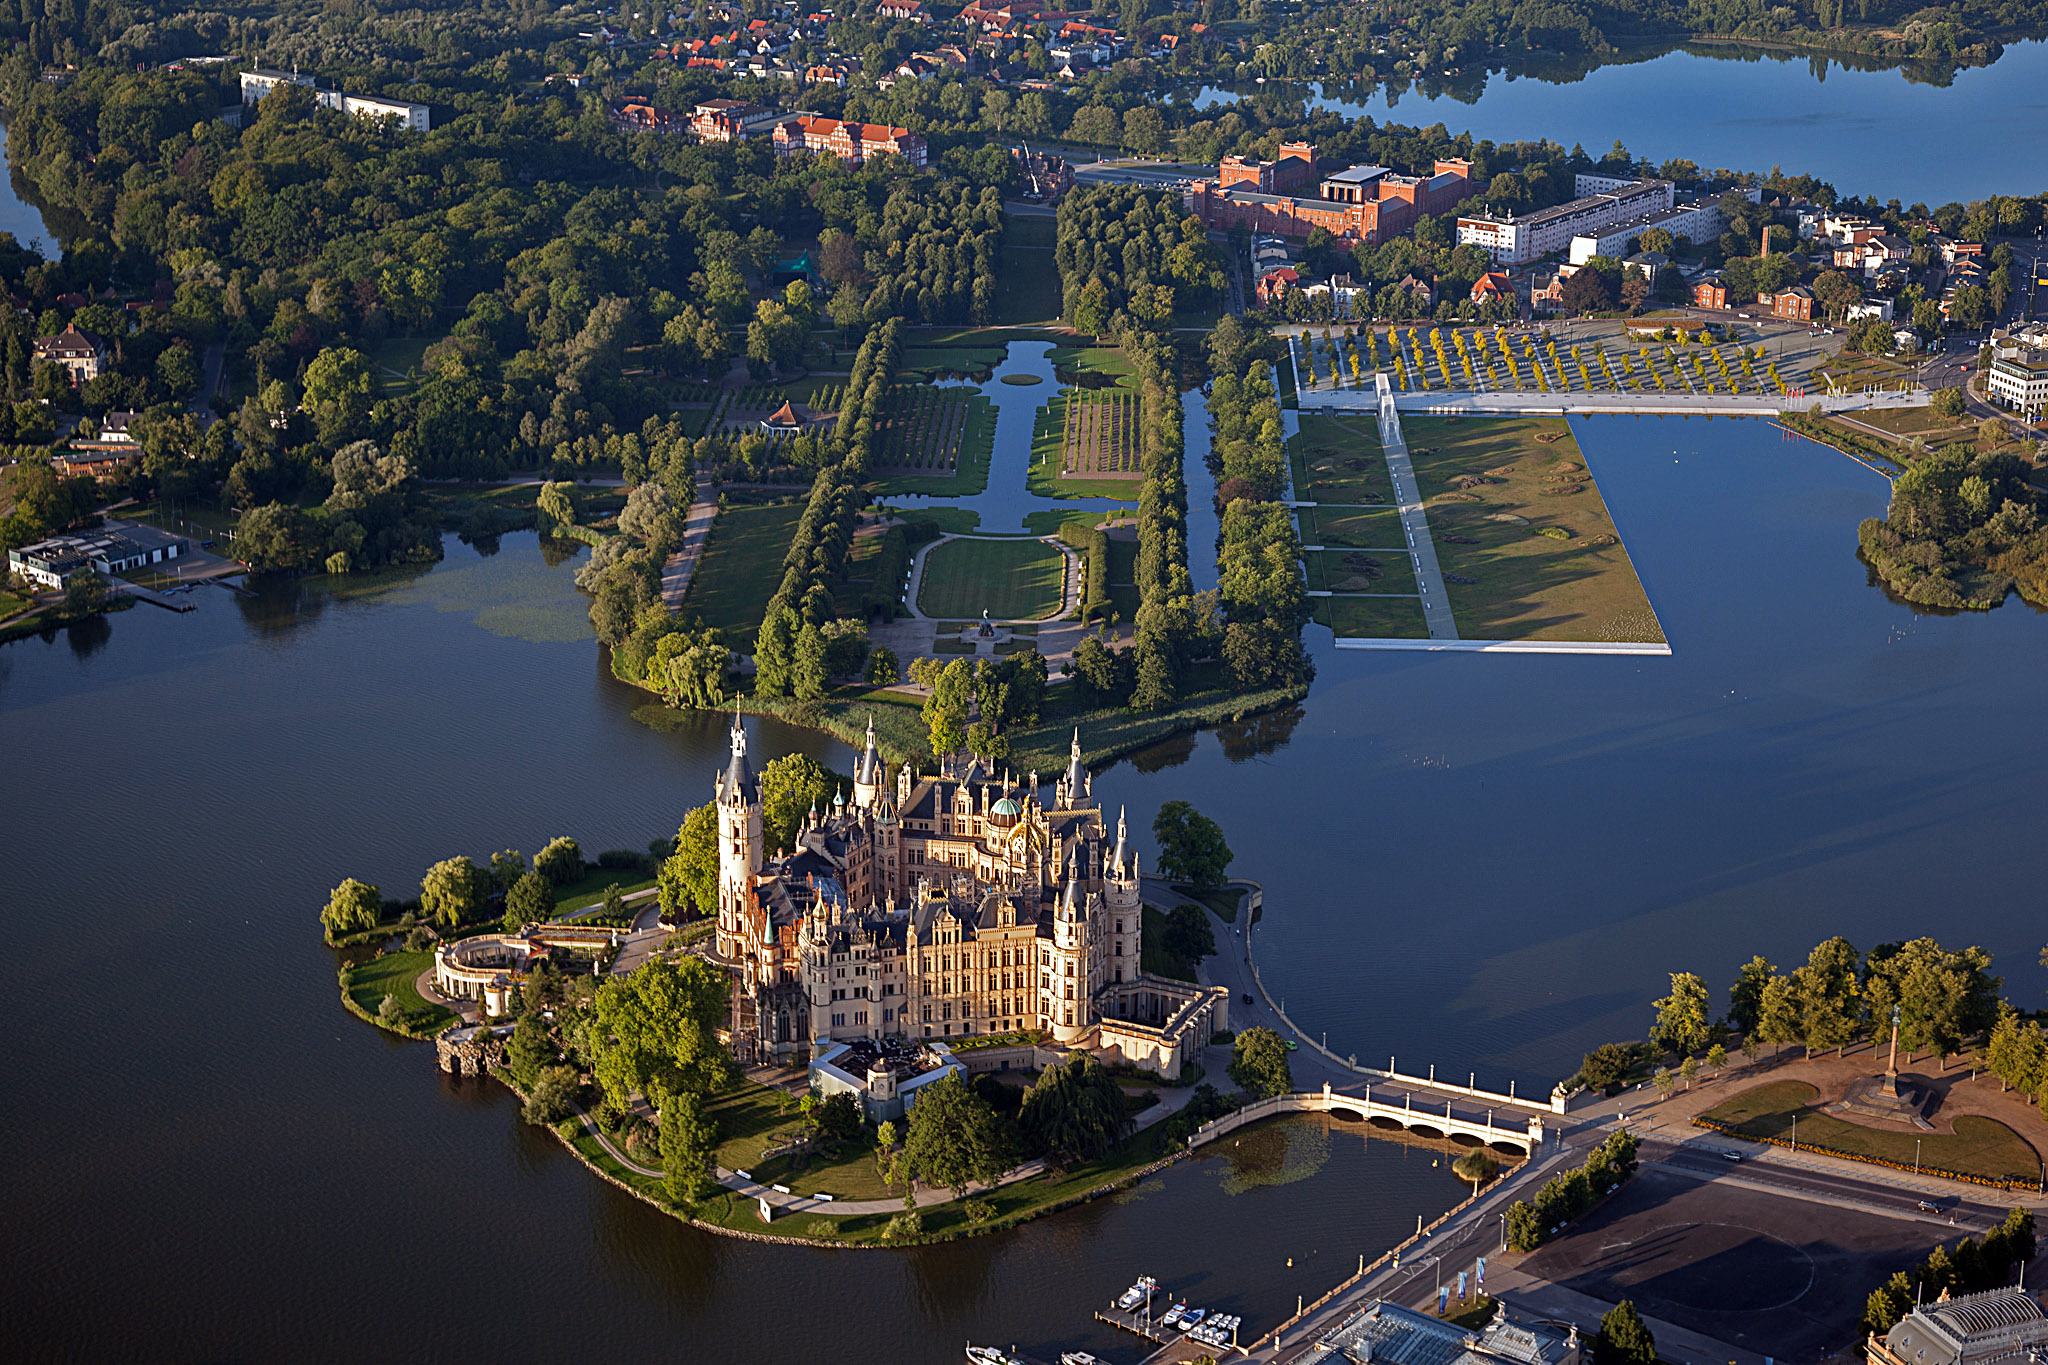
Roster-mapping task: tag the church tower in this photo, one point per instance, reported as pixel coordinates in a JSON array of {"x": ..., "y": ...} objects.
[{"x": 738, "y": 797}]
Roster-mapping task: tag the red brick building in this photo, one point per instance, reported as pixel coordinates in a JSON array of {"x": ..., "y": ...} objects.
[
  {"x": 1274, "y": 284},
  {"x": 1364, "y": 204},
  {"x": 1711, "y": 292},
  {"x": 852, "y": 143},
  {"x": 1494, "y": 284},
  {"x": 1794, "y": 304}
]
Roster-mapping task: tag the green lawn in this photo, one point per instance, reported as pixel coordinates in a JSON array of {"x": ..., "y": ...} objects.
[
  {"x": 1027, "y": 281},
  {"x": 1224, "y": 900},
  {"x": 1979, "y": 1146},
  {"x": 741, "y": 569},
  {"x": 1376, "y": 528},
  {"x": 395, "y": 974},
  {"x": 1528, "y": 586},
  {"x": 1338, "y": 459},
  {"x": 1109, "y": 361},
  {"x": 1360, "y": 571},
  {"x": 1373, "y": 618},
  {"x": 1013, "y": 579},
  {"x": 931, "y": 361}
]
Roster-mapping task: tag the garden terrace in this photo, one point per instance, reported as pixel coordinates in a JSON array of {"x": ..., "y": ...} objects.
[
  {"x": 1527, "y": 546},
  {"x": 1101, "y": 436}
]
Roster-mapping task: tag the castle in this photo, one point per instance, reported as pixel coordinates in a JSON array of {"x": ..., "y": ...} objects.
[{"x": 955, "y": 906}]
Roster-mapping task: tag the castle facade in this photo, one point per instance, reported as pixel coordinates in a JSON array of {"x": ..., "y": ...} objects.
[{"x": 956, "y": 906}]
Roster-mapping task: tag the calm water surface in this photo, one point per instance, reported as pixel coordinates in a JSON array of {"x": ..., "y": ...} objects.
[
  {"x": 1877, "y": 133},
  {"x": 1488, "y": 864}
]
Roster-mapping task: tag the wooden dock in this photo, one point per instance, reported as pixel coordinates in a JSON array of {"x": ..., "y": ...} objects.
[{"x": 1137, "y": 1322}]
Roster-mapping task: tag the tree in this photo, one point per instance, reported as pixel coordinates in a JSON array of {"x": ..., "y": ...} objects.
[
  {"x": 883, "y": 670},
  {"x": 655, "y": 1032},
  {"x": 1684, "y": 1015},
  {"x": 1585, "y": 291},
  {"x": 688, "y": 1139},
  {"x": 808, "y": 674},
  {"x": 506, "y": 870},
  {"x": 1888, "y": 1303},
  {"x": 529, "y": 1049},
  {"x": 1191, "y": 846},
  {"x": 1188, "y": 937},
  {"x": 1258, "y": 1063},
  {"x": 530, "y": 901},
  {"x": 792, "y": 786},
  {"x": 839, "y": 1118},
  {"x": 689, "y": 876},
  {"x": 1717, "y": 1057},
  {"x": 1665, "y": 1082},
  {"x": 277, "y": 535},
  {"x": 561, "y": 862},
  {"x": 1948, "y": 402},
  {"x": 1074, "y": 1112},
  {"x": 555, "y": 508},
  {"x": 452, "y": 892},
  {"x": 1624, "y": 1338},
  {"x": 337, "y": 392},
  {"x": 553, "y": 1096},
  {"x": 353, "y": 905},
  {"x": 775, "y": 651},
  {"x": 955, "y": 1138},
  {"x": 1828, "y": 995},
  {"x": 1605, "y": 1067},
  {"x": 1991, "y": 433},
  {"x": 945, "y": 711},
  {"x": 1745, "y": 997},
  {"x": 1777, "y": 1019}
]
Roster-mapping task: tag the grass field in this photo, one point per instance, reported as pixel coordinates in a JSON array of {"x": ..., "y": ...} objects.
[
  {"x": 1361, "y": 571},
  {"x": 1528, "y": 585},
  {"x": 742, "y": 568},
  {"x": 1106, "y": 365},
  {"x": 1027, "y": 281},
  {"x": 1338, "y": 459},
  {"x": 1012, "y": 579},
  {"x": 1373, "y": 618},
  {"x": 395, "y": 974},
  {"x": 1979, "y": 1146},
  {"x": 1377, "y": 528}
]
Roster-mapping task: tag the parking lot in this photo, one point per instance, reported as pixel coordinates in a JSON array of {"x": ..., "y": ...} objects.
[{"x": 1784, "y": 1277}]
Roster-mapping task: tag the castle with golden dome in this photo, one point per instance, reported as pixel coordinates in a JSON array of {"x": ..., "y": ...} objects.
[{"x": 953, "y": 907}]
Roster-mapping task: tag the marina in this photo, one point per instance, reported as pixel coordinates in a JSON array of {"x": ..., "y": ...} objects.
[{"x": 1178, "y": 1323}]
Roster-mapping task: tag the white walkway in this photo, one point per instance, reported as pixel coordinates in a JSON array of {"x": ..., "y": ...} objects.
[{"x": 1436, "y": 602}]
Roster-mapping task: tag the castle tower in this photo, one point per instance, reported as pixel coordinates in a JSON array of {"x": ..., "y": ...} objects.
[
  {"x": 867, "y": 774},
  {"x": 1124, "y": 913},
  {"x": 1066, "y": 1008},
  {"x": 738, "y": 797},
  {"x": 1074, "y": 787}
]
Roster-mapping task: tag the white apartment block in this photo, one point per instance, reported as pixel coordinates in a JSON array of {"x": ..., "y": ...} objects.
[
  {"x": 1696, "y": 222},
  {"x": 261, "y": 81},
  {"x": 2018, "y": 374},
  {"x": 1522, "y": 238}
]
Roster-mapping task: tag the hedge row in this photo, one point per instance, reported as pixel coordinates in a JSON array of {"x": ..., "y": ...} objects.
[{"x": 1093, "y": 543}]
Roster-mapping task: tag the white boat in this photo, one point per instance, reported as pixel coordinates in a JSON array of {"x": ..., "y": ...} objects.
[
  {"x": 1131, "y": 1298},
  {"x": 1079, "y": 1358},
  {"x": 1172, "y": 1315},
  {"x": 989, "y": 1355},
  {"x": 1193, "y": 1318}
]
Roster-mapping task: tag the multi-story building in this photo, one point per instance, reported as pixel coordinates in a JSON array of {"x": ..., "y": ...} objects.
[
  {"x": 947, "y": 906},
  {"x": 1967, "y": 1329},
  {"x": 852, "y": 143},
  {"x": 81, "y": 353},
  {"x": 733, "y": 121},
  {"x": 1518, "y": 239},
  {"x": 1793, "y": 305},
  {"x": 56, "y": 561},
  {"x": 1366, "y": 204},
  {"x": 1696, "y": 222},
  {"x": 261, "y": 81},
  {"x": 2017, "y": 376}
]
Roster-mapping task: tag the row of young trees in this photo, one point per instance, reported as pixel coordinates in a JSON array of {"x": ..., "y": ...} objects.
[
  {"x": 456, "y": 892},
  {"x": 1974, "y": 1265},
  {"x": 1564, "y": 1197}
]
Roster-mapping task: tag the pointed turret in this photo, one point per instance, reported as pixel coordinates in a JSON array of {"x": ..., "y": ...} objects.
[
  {"x": 739, "y": 774},
  {"x": 867, "y": 773},
  {"x": 1118, "y": 864}
]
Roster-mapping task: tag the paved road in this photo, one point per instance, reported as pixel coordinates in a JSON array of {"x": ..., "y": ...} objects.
[
  {"x": 677, "y": 571},
  {"x": 1436, "y": 601}
]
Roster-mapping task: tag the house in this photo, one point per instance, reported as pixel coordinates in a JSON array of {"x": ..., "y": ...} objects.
[
  {"x": 913, "y": 11},
  {"x": 1651, "y": 265},
  {"x": 56, "y": 561},
  {"x": 1710, "y": 291},
  {"x": 1418, "y": 289},
  {"x": 1793, "y": 305},
  {"x": 1494, "y": 284},
  {"x": 1342, "y": 291},
  {"x": 1274, "y": 284},
  {"x": 852, "y": 143},
  {"x": 101, "y": 462},
  {"x": 2017, "y": 376},
  {"x": 1546, "y": 289},
  {"x": 77, "y": 350},
  {"x": 117, "y": 427},
  {"x": 260, "y": 81},
  {"x": 1880, "y": 308},
  {"x": 786, "y": 420}
]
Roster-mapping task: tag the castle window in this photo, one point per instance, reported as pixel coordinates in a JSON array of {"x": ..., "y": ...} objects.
[
  {"x": 1119, "y": 926},
  {"x": 1119, "y": 949},
  {"x": 927, "y": 1015},
  {"x": 838, "y": 1021},
  {"x": 946, "y": 1012},
  {"x": 860, "y": 1016}
]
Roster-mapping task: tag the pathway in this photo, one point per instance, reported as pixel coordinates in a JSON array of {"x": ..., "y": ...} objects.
[
  {"x": 676, "y": 573},
  {"x": 1436, "y": 602}
]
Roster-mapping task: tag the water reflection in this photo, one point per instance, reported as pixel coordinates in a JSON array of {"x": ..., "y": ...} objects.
[{"x": 1841, "y": 107}]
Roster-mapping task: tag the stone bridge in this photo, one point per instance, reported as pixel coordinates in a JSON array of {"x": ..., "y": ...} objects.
[{"x": 1472, "y": 1124}]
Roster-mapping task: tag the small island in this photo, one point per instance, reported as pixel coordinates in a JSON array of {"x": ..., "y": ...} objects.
[{"x": 869, "y": 1009}]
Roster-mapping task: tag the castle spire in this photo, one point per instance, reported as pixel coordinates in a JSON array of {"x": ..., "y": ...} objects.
[{"x": 1119, "y": 864}]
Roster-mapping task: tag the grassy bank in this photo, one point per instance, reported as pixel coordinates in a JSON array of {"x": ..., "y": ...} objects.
[
  {"x": 741, "y": 569},
  {"x": 1980, "y": 1150},
  {"x": 363, "y": 988}
]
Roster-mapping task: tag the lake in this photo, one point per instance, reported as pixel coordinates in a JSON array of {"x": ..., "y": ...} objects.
[
  {"x": 17, "y": 217},
  {"x": 1867, "y": 132},
  {"x": 1483, "y": 863}
]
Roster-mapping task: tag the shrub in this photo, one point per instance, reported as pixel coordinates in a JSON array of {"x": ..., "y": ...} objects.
[{"x": 553, "y": 1097}]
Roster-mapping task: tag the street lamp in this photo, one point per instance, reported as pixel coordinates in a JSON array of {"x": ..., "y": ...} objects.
[
  {"x": 1916, "y": 1156},
  {"x": 1503, "y": 1232}
]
